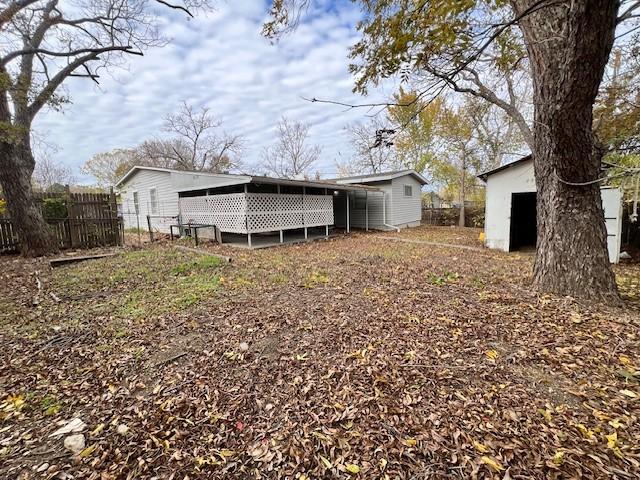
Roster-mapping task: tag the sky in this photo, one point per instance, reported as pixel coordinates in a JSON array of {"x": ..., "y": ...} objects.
[{"x": 221, "y": 61}]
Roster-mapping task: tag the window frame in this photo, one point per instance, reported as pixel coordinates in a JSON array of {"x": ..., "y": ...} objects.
[
  {"x": 404, "y": 190},
  {"x": 153, "y": 205},
  {"x": 136, "y": 202}
]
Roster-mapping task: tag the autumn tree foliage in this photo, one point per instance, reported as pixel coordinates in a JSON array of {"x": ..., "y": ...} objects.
[{"x": 477, "y": 48}]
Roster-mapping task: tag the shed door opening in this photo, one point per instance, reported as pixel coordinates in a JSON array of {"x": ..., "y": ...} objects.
[{"x": 523, "y": 232}]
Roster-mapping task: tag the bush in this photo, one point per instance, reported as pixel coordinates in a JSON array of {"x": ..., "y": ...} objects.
[{"x": 54, "y": 208}]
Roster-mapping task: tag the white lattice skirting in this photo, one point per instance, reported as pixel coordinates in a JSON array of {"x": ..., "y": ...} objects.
[{"x": 258, "y": 212}]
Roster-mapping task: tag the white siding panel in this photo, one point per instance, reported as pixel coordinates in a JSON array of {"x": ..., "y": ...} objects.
[
  {"x": 405, "y": 209},
  {"x": 500, "y": 186},
  {"x": 612, "y": 205},
  {"x": 142, "y": 182},
  {"x": 520, "y": 179},
  {"x": 190, "y": 180}
]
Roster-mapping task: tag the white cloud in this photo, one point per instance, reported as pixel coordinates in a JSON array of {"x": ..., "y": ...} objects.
[{"x": 222, "y": 62}]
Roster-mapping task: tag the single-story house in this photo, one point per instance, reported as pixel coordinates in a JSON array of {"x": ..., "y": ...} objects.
[
  {"x": 510, "y": 209},
  {"x": 257, "y": 207},
  {"x": 401, "y": 197}
]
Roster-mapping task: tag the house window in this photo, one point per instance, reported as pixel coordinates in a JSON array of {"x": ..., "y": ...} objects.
[
  {"x": 408, "y": 191},
  {"x": 136, "y": 204},
  {"x": 153, "y": 199}
]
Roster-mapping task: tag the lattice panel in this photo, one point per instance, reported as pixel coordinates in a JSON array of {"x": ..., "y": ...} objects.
[
  {"x": 318, "y": 210},
  {"x": 227, "y": 212},
  {"x": 258, "y": 212},
  {"x": 267, "y": 212},
  {"x": 271, "y": 211}
]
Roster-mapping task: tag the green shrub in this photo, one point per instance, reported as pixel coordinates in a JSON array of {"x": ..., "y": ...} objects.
[{"x": 54, "y": 208}]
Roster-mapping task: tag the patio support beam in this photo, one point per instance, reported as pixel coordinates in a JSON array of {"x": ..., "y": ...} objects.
[
  {"x": 281, "y": 232},
  {"x": 347, "y": 197},
  {"x": 366, "y": 210},
  {"x": 326, "y": 227},
  {"x": 246, "y": 190},
  {"x": 306, "y": 233}
]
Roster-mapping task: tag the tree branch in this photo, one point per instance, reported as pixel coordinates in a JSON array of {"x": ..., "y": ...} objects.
[{"x": 46, "y": 93}]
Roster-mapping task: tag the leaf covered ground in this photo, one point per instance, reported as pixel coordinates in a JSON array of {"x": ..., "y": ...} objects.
[{"x": 357, "y": 357}]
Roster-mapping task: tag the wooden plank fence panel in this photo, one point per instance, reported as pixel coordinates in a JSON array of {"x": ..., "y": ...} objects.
[{"x": 92, "y": 221}]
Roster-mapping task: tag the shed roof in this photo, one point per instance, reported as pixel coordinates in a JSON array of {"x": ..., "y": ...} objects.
[
  {"x": 380, "y": 177},
  {"x": 483, "y": 176}
]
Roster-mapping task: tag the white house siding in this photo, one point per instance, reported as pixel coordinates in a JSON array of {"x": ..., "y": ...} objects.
[
  {"x": 521, "y": 179},
  {"x": 190, "y": 180},
  {"x": 167, "y": 185},
  {"x": 142, "y": 181},
  {"x": 406, "y": 211}
]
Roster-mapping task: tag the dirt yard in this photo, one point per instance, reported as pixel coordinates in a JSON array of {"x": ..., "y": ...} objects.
[{"x": 357, "y": 357}]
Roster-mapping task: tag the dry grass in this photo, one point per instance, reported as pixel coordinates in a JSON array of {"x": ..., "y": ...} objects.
[{"x": 364, "y": 355}]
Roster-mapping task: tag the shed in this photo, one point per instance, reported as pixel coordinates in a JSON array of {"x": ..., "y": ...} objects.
[
  {"x": 510, "y": 209},
  {"x": 400, "y": 204},
  {"x": 263, "y": 210}
]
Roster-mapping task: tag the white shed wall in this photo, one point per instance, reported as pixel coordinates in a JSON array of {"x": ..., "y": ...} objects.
[
  {"x": 500, "y": 186},
  {"x": 520, "y": 179}
]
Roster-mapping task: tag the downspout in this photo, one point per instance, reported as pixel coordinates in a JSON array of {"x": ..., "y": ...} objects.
[{"x": 384, "y": 213}]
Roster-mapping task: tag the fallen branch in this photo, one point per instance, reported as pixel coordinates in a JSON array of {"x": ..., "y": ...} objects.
[{"x": 170, "y": 359}]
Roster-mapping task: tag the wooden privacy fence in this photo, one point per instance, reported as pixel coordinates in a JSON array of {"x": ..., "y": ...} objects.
[
  {"x": 92, "y": 221},
  {"x": 474, "y": 216}
]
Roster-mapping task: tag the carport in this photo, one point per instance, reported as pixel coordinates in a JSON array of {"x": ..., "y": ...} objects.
[{"x": 258, "y": 211}]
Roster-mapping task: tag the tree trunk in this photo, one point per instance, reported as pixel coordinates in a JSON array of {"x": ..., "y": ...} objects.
[
  {"x": 461, "y": 218},
  {"x": 569, "y": 46},
  {"x": 16, "y": 167}
]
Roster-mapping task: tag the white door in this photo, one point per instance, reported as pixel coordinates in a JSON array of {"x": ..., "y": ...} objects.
[{"x": 612, "y": 204}]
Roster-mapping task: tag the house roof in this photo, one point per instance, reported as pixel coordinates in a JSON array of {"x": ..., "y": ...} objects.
[
  {"x": 483, "y": 176},
  {"x": 136, "y": 168},
  {"x": 380, "y": 177},
  {"x": 239, "y": 179}
]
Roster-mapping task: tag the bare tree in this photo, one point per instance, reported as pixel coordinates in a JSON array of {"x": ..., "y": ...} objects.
[
  {"x": 196, "y": 143},
  {"x": 291, "y": 156},
  {"x": 368, "y": 157},
  {"x": 45, "y": 42},
  {"x": 48, "y": 174}
]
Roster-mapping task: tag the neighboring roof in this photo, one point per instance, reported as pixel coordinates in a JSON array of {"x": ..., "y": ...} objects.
[
  {"x": 380, "y": 177},
  {"x": 239, "y": 179},
  {"x": 487, "y": 174}
]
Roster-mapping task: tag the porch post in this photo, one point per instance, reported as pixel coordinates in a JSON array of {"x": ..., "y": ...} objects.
[
  {"x": 366, "y": 210},
  {"x": 281, "y": 232},
  {"x": 326, "y": 227},
  {"x": 304, "y": 191},
  {"x": 246, "y": 215},
  {"x": 347, "y": 197}
]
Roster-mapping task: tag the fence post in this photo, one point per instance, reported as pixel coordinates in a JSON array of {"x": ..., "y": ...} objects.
[
  {"x": 71, "y": 217},
  {"x": 114, "y": 223},
  {"x": 149, "y": 226}
]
